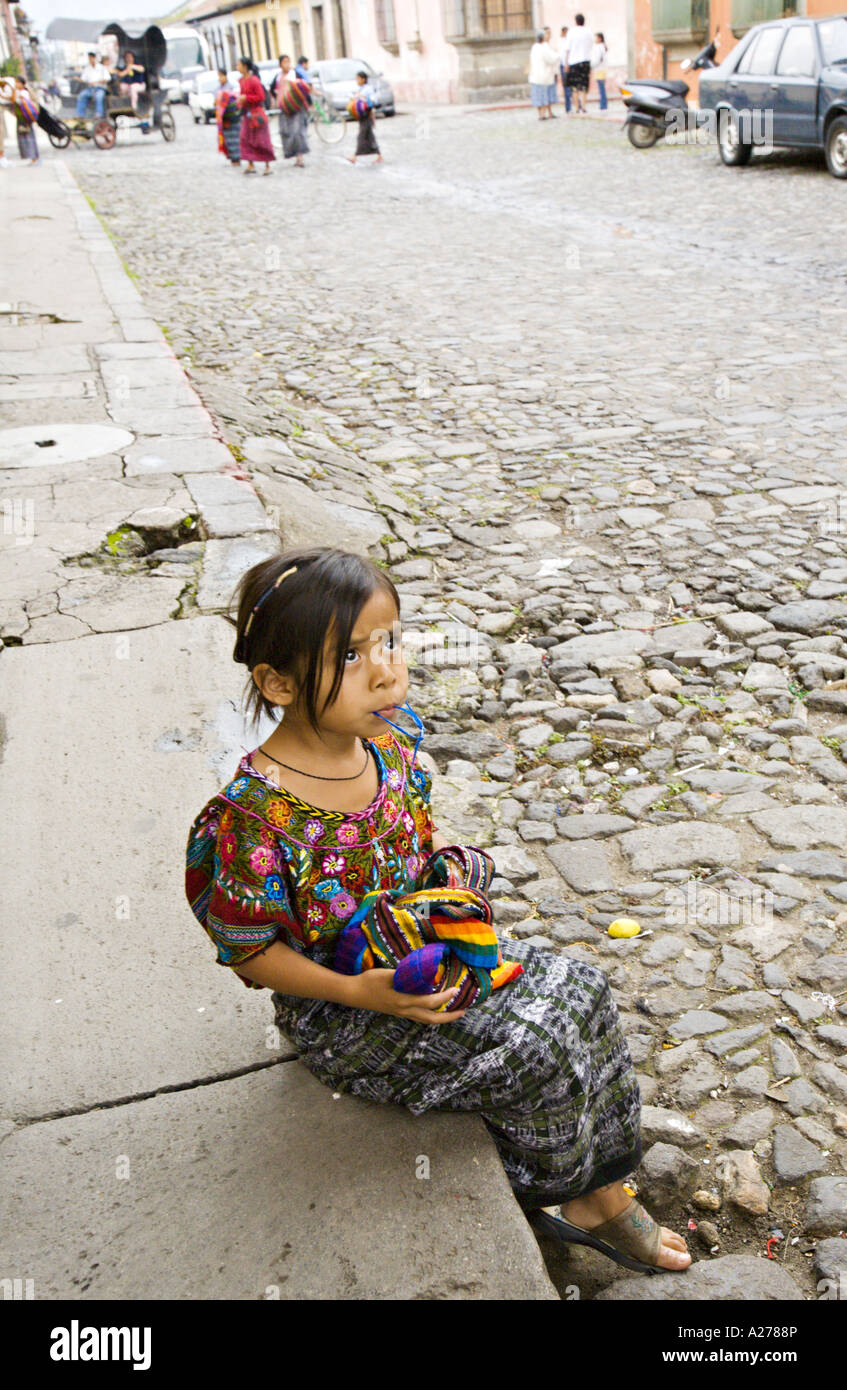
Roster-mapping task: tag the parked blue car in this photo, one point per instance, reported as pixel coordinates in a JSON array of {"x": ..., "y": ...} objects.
[{"x": 785, "y": 83}]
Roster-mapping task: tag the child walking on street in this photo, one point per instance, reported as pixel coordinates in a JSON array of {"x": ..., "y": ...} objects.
[
  {"x": 318, "y": 873},
  {"x": 363, "y": 104}
]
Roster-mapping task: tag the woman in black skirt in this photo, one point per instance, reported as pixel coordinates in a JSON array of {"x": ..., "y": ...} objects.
[{"x": 366, "y": 143}]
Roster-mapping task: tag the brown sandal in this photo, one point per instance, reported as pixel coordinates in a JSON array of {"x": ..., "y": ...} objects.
[{"x": 632, "y": 1238}]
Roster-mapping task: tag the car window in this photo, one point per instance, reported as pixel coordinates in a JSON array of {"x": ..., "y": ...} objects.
[
  {"x": 797, "y": 55},
  {"x": 764, "y": 54},
  {"x": 744, "y": 62},
  {"x": 342, "y": 70},
  {"x": 833, "y": 37}
]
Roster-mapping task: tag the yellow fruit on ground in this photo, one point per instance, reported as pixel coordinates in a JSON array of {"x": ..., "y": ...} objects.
[{"x": 624, "y": 926}]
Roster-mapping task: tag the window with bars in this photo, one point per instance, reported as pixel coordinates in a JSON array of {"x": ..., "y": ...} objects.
[
  {"x": 505, "y": 16},
  {"x": 386, "y": 26}
]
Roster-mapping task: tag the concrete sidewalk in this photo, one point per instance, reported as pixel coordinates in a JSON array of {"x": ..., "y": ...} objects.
[{"x": 142, "y": 1081}]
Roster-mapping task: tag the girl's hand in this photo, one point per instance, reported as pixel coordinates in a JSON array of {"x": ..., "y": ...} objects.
[{"x": 374, "y": 989}]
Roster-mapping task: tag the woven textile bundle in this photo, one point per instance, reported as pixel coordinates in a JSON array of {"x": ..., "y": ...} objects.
[
  {"x": 294, "y": 96},
  {"x": 358, "y": 107},
  {"x": 438, "y": 936}
]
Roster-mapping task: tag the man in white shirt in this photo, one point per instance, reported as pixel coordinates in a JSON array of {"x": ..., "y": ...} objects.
[
  {"x": 95, "y": 80},
  {"x": 580, "y": 44}
]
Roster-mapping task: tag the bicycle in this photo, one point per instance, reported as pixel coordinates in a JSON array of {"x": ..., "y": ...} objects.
[{"x": 330, "y": 125}]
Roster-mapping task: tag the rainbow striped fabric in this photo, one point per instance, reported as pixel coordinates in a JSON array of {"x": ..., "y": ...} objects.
[{"x": 439, "y": 936}]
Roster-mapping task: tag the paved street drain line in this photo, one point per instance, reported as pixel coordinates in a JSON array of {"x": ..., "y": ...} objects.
[{"x": 25, "y": 1121}]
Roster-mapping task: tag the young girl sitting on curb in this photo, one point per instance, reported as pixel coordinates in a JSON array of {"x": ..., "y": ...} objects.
[{"x": 306, "y": 864}]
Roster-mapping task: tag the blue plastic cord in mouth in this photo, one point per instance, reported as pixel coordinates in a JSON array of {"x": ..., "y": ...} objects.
[{"x": 416, "y": 720}]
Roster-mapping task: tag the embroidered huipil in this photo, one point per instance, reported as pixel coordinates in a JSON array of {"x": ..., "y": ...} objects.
[{"x": 263, "y": 865}]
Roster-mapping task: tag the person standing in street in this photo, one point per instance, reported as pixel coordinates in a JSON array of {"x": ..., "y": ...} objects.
[
  {"x": 366, "y": 143},
  {"x": 563, "y": 68},
  {"x": 228, "y": 118},
  {"x": 95, "y": 81},
  {"x": 598, "y": 67},
  {"x": 543, "y": 61},
  {"x": 580, "y": 47},
  {"x": 292, "y": 101},
  {"x": 255, "y": 135},
  {"x": 25, "y": 108}
]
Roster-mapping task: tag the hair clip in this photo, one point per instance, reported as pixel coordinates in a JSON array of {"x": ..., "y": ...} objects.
[{"x": 242, "y": 642}]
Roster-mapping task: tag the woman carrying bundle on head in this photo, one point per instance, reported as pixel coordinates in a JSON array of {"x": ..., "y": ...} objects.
[
  {"x": 361, "y": 108},
  {"x": 293, "y": 97},
  {"x": 255, "y": 135}
]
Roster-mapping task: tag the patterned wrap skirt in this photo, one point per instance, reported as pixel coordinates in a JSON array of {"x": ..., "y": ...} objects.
[
  {"x": 366, "y": 142},
  {"x": 255, "y": 136},
  {"x": 27, "y": 144},
  {"x": 292, "y": 133},
  {"x": 232, "y": 139},
  {"x": 543, "y": 1061}
]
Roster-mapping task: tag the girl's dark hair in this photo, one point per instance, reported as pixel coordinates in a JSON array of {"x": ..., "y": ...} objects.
[
  {"x": 601, "y": 36},
  {"x": 292, "y": 621}
]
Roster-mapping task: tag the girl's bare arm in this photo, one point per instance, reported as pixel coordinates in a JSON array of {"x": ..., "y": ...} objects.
[{"x": 289, "y": 972}]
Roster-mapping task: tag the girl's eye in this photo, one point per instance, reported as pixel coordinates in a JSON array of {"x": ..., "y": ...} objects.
[{"x": 352, "y": 655}]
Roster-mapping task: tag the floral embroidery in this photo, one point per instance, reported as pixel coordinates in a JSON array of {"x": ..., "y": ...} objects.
[
  {"x": 343, "y": 905},
  {"x": 327, "y": 889},
  {"x": 275, "y": 888},
  {"x": 264, "y": 865},
  {"x": 262, "y": 860}
]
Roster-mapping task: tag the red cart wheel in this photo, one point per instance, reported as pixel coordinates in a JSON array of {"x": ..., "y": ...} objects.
[{"x": 105, "y": 134}]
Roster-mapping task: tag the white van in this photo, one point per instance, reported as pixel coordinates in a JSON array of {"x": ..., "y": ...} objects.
[{"x": 188, "y": 55}]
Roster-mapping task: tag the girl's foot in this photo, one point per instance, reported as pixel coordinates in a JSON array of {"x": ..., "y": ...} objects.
[
  {"x": 351, "y": 158},
  {"x": 379, "y": 159},
  {"x": 298, "y": 163},
  {"x": 250, "y": 169},
  {"x": 595, "y": 1208},
  {"x": 267, "y": 169}
]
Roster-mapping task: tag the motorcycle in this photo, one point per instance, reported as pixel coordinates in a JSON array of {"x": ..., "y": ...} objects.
[{"x": 656, "y": 106}]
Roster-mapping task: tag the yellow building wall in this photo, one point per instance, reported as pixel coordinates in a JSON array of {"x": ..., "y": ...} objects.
[{"x": 269, "y": 30}]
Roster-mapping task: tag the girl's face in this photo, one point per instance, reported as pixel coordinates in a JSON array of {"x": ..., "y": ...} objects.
[{"x": 375, "y": 675}]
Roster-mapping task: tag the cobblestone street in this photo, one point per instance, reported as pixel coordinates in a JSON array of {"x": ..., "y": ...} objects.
[{"x": 583, "y": 402}]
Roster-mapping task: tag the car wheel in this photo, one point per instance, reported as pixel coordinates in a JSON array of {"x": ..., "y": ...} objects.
[
  {"x": 389, "y": 111},
  {"x": 732, "y": 149},
  {"x": 836, "y": 148},
  {"x": 196, "y": 120}
]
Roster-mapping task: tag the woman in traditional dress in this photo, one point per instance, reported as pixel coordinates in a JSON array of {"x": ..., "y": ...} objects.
[
  {"x": 366, "y": 143},
  {"x": 293, "y": 119},
  {"x": 26, "y": 114},
  {"x": 228, "y": 118},
  {"x": 255, "y": 135}
]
